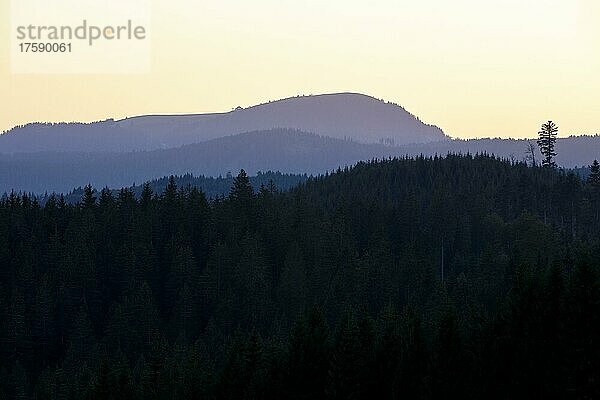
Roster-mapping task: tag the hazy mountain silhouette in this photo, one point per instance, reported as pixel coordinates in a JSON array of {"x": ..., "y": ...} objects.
[
  {"x": 284, "y": 150},
  {"x": 276, "y": 150},
  {"x": 344, "y": 116}
]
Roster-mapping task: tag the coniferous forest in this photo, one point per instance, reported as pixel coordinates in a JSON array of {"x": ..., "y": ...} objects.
[{"x": 430, "y": 278}]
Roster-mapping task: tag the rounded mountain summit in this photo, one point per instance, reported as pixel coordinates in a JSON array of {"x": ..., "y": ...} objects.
[{"x": 351, "y": 116}]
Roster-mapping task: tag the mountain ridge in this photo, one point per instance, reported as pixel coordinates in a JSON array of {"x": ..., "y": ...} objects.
[{"x": 338, "y": 115}]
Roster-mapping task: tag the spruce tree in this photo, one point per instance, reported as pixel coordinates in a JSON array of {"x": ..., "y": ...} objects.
[
  {"x": 106, "y": 198},
  {"x": 593, "y": 182},
  {"x": 89, "y": 200},
  {"x": 146, "y": 196},
  {"x": 546, "y": 141},
  {"x": 171, "y": 190},
  {"x": 242, "y": 201},
  {"x": 241, "y": 191},
  {"x": 594, "y": 178}
]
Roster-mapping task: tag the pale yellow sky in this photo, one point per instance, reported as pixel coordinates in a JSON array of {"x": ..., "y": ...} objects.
[{"x": 476, "y": 68}]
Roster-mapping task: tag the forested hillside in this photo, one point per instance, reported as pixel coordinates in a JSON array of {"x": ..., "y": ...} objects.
[
  {"x": 457, "y": 277},
  {"x": 211, "y": 187},
  {"x": 284, "y": 150}
]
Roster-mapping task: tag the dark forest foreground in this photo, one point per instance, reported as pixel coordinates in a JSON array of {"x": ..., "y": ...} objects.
[{"x": 457, "y": 277}]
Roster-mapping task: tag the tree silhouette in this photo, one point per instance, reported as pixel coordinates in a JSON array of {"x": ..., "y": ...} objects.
[
  {"x": 593, "y": 182},
  {"x": 530, "y": 153},
  {"x": 594, "y": 177},
  {"x": 89, "y": 200},
  {"x": 546, "y": 141},
  {"x": 241, "y": 190},
  {"x": 242, "y": 199}
]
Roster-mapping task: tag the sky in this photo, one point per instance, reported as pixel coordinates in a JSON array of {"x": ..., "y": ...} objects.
[{"x": 475, "y": 68}]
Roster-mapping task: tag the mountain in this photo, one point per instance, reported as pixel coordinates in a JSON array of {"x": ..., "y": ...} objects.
[
  {"x": 344, "y": 116},
  {"x": 284, "y": 150}
]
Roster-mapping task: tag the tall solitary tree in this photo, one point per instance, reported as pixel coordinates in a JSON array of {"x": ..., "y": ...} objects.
[{"x": 546, "y": 141}]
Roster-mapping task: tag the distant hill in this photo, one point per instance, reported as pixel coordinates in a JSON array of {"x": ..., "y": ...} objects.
[
  {"x": 343, "y": 116},
  {"x": 284, "y": 150},
  {"x": 275, "y": 150}
]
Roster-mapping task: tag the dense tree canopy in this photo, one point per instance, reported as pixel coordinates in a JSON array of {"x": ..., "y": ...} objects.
[{"x": 331, "y": 290}]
